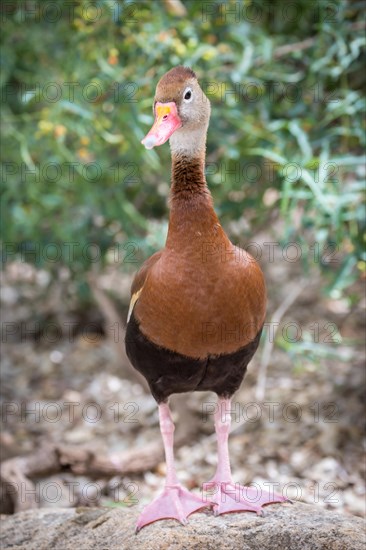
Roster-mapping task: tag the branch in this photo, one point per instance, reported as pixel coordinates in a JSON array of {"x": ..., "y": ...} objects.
[
  {"x": 175, "y": 7},
  {"x": 113, "y": 319},
  {"x": 286, "y": 49},
  {"x": 16, "y": 473},
  {"x": 268, "y": 345}
]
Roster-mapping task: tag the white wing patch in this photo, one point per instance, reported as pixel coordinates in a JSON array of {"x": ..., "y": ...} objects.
[{"x": 133, "y": 301}]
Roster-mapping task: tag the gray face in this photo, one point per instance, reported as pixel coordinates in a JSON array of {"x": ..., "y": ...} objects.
[
  {"x": 180, "y": 86},
  {"x": 193, "y": 107}
]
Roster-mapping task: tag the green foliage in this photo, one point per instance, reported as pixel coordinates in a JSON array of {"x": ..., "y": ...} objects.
[{"x": 286, "y": 136}]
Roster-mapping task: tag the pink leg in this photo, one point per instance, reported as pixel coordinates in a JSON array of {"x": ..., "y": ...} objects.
[
  {"x": 175, "y": 502},
  {"x": 230, "y": 496}
]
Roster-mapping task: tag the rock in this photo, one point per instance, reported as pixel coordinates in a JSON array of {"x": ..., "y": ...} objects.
[{"x": 287, "y": 526}]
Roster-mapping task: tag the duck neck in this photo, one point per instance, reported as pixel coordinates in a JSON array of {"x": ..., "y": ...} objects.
[
  {"x": 188, "y": 150},
  {"x": 188, "y": 178},
  {"x": 192, "y": 215}
]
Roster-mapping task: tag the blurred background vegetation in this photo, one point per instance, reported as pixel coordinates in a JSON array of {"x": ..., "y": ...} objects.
[
  {"x": 83, "y": 204},
  {"x": 286, "y": 139}
]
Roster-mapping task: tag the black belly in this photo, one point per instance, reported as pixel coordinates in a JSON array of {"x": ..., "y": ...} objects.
[{"x": 168, "y": 372}]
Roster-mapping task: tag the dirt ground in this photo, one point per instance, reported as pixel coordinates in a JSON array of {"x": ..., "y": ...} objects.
[{"x": 63, "y": 380}]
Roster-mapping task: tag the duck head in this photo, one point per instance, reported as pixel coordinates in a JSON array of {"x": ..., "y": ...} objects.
[{"x": 182, "y": 113}]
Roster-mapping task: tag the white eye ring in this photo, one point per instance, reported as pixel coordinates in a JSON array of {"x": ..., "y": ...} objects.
[{"x": 188, "y": 91}]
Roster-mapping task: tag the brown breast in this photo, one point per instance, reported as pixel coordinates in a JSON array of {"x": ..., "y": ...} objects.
[{"x": 207, "y": 298}]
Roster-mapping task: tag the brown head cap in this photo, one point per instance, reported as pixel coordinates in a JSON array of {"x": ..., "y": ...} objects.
[{"x": 171, "y": 84}]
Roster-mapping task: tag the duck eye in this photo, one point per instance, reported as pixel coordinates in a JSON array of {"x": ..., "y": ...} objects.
[{"x": 187, "y": 96}]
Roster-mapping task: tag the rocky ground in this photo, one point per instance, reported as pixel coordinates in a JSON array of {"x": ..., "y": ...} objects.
[{"x": 291, "y": 527}]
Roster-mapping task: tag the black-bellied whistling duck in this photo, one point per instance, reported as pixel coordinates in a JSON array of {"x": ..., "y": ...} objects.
[{"x": 197, "y": 307}]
